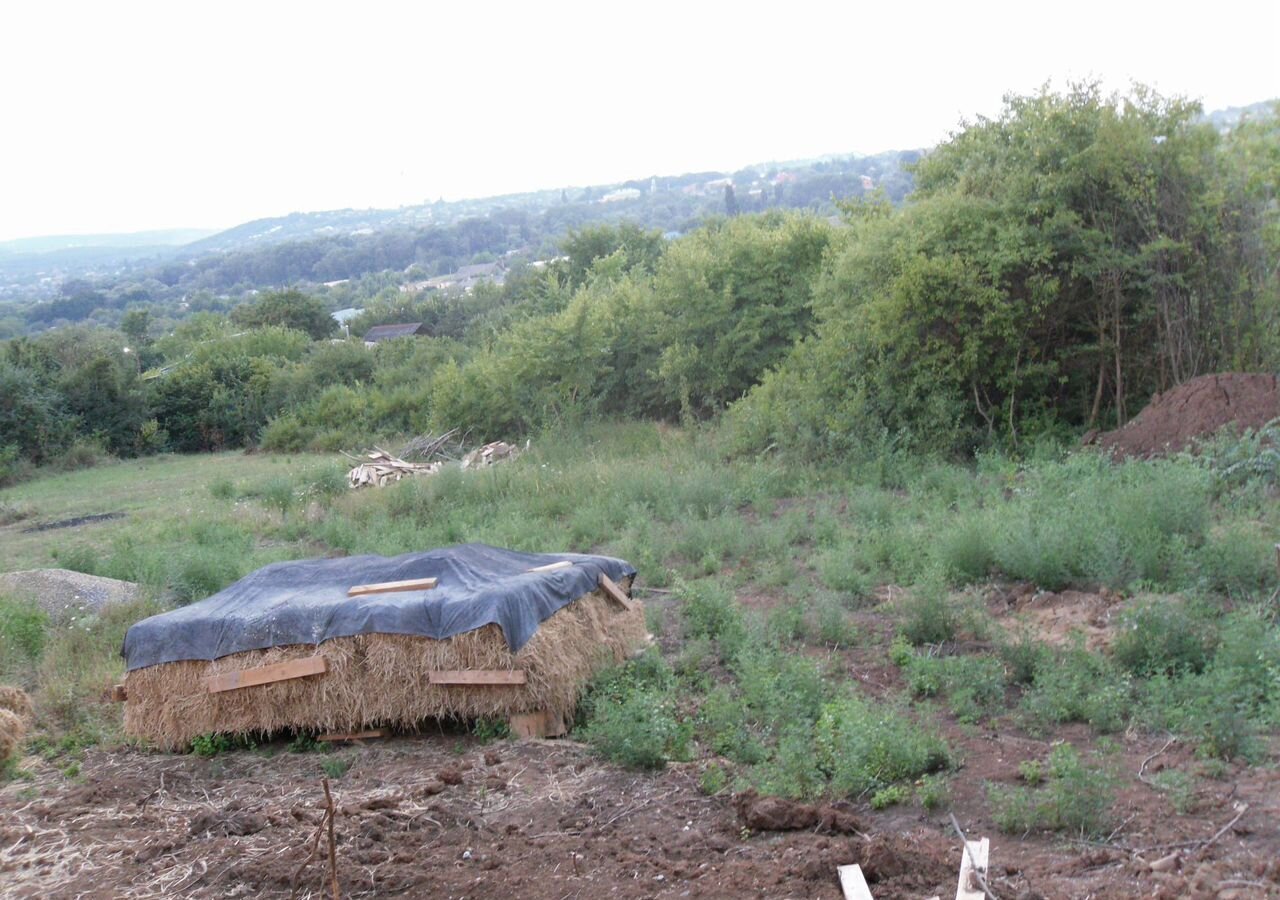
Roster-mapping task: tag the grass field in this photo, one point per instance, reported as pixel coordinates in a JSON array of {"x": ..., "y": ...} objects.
[{"x": 779, "y": 587}]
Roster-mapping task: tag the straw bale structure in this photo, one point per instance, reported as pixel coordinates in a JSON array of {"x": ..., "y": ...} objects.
[
  {"x": 15, "y": 700},
  {"x": 378, "y": 680},
  {"x": 13, "y": 728}
]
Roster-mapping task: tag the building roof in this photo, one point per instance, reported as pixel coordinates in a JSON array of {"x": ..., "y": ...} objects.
[
  {"x": 477, "y": 271},
  {"x": 387, "y": 332}
]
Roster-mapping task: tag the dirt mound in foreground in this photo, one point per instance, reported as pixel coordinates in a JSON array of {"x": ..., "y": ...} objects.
[{"x": 1175, "y": 419}]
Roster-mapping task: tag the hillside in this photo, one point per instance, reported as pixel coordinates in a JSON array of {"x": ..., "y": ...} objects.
[{"x": 326, "y": 246}]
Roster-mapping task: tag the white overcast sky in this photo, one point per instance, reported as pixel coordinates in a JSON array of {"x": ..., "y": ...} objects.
[{"x": 123, "y": 116}]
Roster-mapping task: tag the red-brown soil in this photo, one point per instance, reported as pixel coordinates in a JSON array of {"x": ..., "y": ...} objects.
[
  {"x": 1172, "y": 421},
  {"x": 548, "y": 821}
]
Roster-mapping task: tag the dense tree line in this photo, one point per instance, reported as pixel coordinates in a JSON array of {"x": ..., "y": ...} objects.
[{"x": 1055, "y": 266}]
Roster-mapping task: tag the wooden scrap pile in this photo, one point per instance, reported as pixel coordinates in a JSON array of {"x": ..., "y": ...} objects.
[
  {"x": 378, "y": 468},
  {"x": 489, "y": 454},
  {"x": 383, "y": 469}
]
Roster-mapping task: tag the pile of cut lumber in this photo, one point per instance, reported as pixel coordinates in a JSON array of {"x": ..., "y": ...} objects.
[
  {"x": 383, "y": 469},
  {"x": 489, "y": 454}
]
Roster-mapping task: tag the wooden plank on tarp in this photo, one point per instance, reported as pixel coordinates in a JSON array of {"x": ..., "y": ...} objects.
[
  {"x": 389, "y": 587},
  {"x": 610, "y": 587},
  {"x": 552, "y": 567},
  {"x": 294, "y": 668},
  {"x": 478, "y": 676}
]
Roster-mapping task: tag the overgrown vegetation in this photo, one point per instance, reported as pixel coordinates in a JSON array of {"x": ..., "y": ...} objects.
[{"x": 872, "y": 424}]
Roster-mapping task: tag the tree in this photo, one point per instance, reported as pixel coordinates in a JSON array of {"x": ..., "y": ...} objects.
[
  {"x": 135, "y": 325},
  {"x": 290, "y": 309},
  {"x": 730, "y": 201}
]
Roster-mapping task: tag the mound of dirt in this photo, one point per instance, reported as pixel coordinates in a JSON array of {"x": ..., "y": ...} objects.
[
  {"x": 1175, "y": 419},
  {"x": 63, "y": 593}
]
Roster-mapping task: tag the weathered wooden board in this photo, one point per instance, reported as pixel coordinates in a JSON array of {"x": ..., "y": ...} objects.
[
  {"x": 478, "y": 676},
  {"x": 356, "y": 735},
  {"x": 540, "y": 724},
  {"x": 853, "y": 883},
  {"x": 610, "y": 587},
  {"x": 974, "y": 857},
  {"x": 389, "y": 587},
  {"x": 118, "y": 693},
  {"x": 552, "y": 567},
  {"x": 294, "y": 668}
]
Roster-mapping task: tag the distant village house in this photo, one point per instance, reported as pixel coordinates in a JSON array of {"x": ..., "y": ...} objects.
[{"x": 379, "y": 333}]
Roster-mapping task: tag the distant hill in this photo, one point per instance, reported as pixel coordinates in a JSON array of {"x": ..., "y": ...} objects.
[
  {"x": 1234, "y": 115},
  {"x": 171, "y": 237}
]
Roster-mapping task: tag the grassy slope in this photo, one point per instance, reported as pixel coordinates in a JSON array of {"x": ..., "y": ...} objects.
[
  {"x": 778, "y": 573},
  {"x": 161, "y": 491}
]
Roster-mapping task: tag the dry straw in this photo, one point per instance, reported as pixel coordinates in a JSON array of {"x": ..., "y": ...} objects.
[
  {"x": 13, "y": 728},
  {"x": 15, "y": 700},
  {"x": 382, "y": 679}
]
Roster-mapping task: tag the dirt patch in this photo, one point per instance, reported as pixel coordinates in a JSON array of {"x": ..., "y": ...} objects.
[
  {"x": 1057, "y": 617},
  {"x": 780, "y": 814},
  {"x": 72, "y": 523},
  {"x": 1174, "y": 420}
]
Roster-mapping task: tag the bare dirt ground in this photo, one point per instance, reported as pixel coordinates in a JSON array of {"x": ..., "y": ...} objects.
[
  {"x": 445, "y": 815},
  {"x": 449, "y": 817}
]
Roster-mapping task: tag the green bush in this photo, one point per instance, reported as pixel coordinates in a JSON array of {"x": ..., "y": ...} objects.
[
  {"x": 927, "y": 615},
  {"x": 1075, "y": 797},
  {"x": 865, "y": 746},
  {"x": 708, "y": 609},
  {"x": 1163, "y": 636},
  {"x": 630, "y": 716},
  {"x": 1079, "y": 686},
  {"x": 974, "y": 686},
  {"x": 723, "y": 726},
  {"x": 641, "y": 730},
  {"x": 24, "y": 629}
]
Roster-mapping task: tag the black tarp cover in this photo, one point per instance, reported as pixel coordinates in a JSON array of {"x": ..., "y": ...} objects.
[{"x": 306, "y": 602}]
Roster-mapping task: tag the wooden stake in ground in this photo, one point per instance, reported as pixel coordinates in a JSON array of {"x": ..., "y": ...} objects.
[{"x": 326, "y": 824}]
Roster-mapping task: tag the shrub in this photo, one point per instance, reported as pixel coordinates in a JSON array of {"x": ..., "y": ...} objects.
[
  {"x": 630, "y": 714},
  {"x": 1075, "y": 798},
  {"x": 973, "y": 685},
  {"x": 708, "y": 610},
  {"x": 864, "y": 746},
  {"x": 24, "y": 629},
  {"x": 640, "y": 730},
  {"x": 723, "y": 725},
  {"x": 927, "y": 616},
  {"x": 1079, "y": 686},
  {"x": 933, "y": 792},
  {"x": 1163, "y": 636}
]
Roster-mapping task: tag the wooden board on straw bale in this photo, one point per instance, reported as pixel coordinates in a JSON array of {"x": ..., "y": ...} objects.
[{"x": 383, "y": 679}]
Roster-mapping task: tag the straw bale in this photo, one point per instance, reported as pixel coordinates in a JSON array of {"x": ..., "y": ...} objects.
[
  {"x": 12, "y": 730},
  {"x": 382, "y": 679},
  {"x": 15, "y": 700}
]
